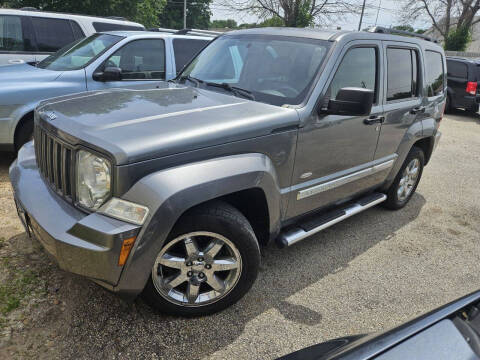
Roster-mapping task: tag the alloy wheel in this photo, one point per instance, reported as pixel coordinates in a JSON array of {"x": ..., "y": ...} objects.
[
  {"x": 409, "y": 179},
  {"x": 197, "y": 269}
]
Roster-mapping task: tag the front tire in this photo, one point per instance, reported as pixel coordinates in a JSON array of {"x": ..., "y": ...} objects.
[
  {"x": 406, "y": 181},
  {"x": 209, "y": 261}
]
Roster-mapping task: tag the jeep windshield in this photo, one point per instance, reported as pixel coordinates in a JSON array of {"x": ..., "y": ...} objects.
[
  {"x": 277, "y": 70},
  {"x": 79, "y": 54}
]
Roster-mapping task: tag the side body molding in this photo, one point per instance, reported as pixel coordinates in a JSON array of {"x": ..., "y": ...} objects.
[{"x": 169, "y": 193}]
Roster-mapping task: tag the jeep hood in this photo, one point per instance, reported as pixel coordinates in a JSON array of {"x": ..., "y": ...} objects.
[{"x": 136, "y": 125}]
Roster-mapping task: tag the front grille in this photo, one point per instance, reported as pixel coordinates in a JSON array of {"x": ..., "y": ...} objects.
[{"x": 55, "y": 162}]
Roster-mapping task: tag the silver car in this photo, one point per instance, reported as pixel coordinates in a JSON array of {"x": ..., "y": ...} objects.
[{"x": 102, "y": 61}]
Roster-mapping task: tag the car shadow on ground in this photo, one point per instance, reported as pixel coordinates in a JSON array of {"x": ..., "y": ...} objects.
[
  {"x": 97, "y": 324},
  {"x": 462, "y": 115}
]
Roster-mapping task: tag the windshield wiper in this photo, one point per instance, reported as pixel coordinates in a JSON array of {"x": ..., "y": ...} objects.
[
  {"x": 233, "y": 89},
  {"x": 192, "y": 79}
]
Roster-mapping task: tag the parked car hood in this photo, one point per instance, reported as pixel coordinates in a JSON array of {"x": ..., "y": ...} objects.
[
  {"x": 138, "y": 124},
  {"x": 26, "y": 73}
]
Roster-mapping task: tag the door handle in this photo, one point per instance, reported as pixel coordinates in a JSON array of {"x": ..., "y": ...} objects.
[
  {"x": 417, "y": 110},
  {"x": 374, "y": 120}
]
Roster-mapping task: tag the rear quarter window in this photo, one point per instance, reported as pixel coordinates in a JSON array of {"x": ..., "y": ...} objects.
[
  {"x": 185, "y": 50},
  {"x": 435, "y": 73},
  {"x": 457, "y": 69}
]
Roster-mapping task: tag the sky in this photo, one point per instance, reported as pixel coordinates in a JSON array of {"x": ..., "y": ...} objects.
[{"x": 389, "y": 13}]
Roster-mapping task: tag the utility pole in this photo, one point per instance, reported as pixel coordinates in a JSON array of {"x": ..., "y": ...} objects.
[
  {"x": 378, "y": 11},
  {"x": 361, "y": 17},
  {"x": 185, "y": 14}
]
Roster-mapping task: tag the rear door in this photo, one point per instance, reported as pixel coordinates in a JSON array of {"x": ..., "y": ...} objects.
[
  {"x": 457, "y": 74},
  {"x": 403, "y": 96}
]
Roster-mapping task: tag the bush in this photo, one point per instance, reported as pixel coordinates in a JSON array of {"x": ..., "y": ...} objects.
[{"x": 458, "y": 39}]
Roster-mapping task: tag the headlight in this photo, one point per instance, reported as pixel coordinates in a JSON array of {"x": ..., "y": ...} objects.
[{"x": 93, "y": 180}]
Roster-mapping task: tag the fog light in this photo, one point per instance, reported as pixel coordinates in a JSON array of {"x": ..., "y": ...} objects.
[{"x": 125, "y": 210}]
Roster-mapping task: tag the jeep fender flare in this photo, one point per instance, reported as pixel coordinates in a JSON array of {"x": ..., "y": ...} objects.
[
  {"x": 171, "y": 192},
  {"x": 419, "y": 130}
]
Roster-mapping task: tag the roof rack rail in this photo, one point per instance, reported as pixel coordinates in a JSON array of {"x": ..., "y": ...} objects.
[
  {"x": 198, "y": 32},
  {"x": 29, "y": 8},
  {"x": 384, "y": 30},
  {"x": 116, "y": 18},
  {"x": 163, "y": 30}
]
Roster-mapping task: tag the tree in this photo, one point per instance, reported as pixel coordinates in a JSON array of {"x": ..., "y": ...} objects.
[
  {"x": 143, "y": 11},
  {"x": 222, "y": 24},
  {"x": 295, "y": 13},
  {"x": 408, "y": 28},
  {"x": 149, "y": 11},
  {"x": 445, "y": 15},
  {"x": 198, "y": 14}
]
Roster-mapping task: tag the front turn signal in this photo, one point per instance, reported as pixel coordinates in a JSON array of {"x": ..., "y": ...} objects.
[{"x": 125, "y": 251}]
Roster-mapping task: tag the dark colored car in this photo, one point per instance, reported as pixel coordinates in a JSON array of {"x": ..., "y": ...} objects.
[
  {"x": 451, "y": 332},
  {"x": 463, "y": 78}
]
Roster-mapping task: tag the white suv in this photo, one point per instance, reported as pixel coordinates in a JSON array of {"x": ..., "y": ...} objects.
[{"x": 29, "y": 35}]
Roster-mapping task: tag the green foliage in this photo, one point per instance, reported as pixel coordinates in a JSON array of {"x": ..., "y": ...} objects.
[
  {"x": 148, "y": 12},
  {"x": 421, "y": 31},
  {"x": 272, "y": 22},
  {"x": 304, "y": 18},
  {"x": 143, "y": 11},
  {"x": 222, "y": 24},
  {"x": 458, "y": 39},
  {"x": 198, "y": 14},
  {"x": 404, "y": 28}
]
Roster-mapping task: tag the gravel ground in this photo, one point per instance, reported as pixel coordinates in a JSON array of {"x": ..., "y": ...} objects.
[{"x": 369, "y": 273}]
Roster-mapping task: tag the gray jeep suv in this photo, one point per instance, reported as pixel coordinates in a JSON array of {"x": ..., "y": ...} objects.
[{"x": 268, "y": 134}]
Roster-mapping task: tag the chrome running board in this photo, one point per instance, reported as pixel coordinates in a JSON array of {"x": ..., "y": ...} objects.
[{"x": 313, "y": 226}]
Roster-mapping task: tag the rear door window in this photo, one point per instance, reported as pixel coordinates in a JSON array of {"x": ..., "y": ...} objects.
[
  {"x": 11, "y": 33},
  {"x": 457, "y": 69},
  {"x": 185, "y": 50},
  {"x": 435, "y": 77},
  {"x": 402, "y": 74},
  {"x": 52, "y": 34}
]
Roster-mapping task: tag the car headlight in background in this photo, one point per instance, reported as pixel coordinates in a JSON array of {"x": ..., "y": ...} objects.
[
  {"x": 125, "y": 210},
  {"x": 93, "y": 180}
]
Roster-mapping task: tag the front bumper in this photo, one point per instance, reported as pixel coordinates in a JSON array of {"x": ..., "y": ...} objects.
[{"x": 85, "y": 244}]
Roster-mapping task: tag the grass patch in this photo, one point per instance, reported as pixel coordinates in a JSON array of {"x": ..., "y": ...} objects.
[
  {"x": 3, "y": 242},
  {"x": 11, "y": 294}
]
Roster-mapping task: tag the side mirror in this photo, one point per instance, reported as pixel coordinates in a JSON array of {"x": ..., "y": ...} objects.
[
  {"x": 108, "y": 74},
  {"x": 351, "y": 102}
]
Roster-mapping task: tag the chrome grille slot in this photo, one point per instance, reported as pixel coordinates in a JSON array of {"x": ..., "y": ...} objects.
[{"x": 54, "y": 160}]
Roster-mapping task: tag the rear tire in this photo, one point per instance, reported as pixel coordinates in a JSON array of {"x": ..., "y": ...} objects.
[
  {"x": 406, "y": 181},
  {"x": 188, "y": 279},
  {"x": 24, "y": 132},
  {"x": 473, "y": 109}
]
